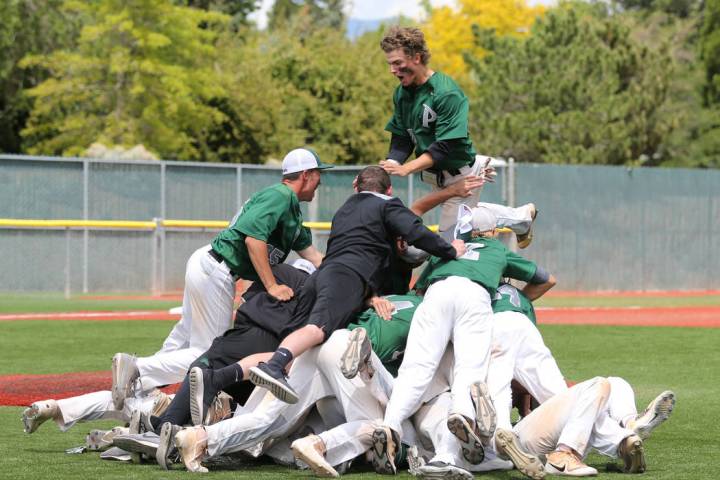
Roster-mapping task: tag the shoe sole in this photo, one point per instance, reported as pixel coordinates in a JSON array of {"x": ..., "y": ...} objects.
[
  {"x": 135, "y": 446},
  {"x": 262, "y": 379},
  {"x": 119, "y": 392},
  {"x": 524, "y": 240},
  {"x": 321, "y": 470},
  {"x": 354, "y": 353},
  {"x": 485, "y": 415},
  {"x": 95, "y": 440},
  {"x": 197, "y": 390},
  {"x": 472, "y": 448},
  {"x": 661, "y": 407},
  {"x": 449, "y": 473},
  {"x": 528, "y": 465},
  {"x": 382, "y": 461},
  {"x": 166, "y": 443},
  {"x": 30, "y": 419},
  {"x": 635, "y": 458}
]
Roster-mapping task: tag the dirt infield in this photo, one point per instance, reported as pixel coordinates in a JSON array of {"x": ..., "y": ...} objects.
[{"x": 22, "y": 390}]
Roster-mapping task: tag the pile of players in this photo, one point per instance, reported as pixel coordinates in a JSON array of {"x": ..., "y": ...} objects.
[{"x": 333, "y": 359}]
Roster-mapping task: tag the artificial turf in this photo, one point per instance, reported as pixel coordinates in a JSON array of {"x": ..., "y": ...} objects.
[{"x": 652, "y": 359}]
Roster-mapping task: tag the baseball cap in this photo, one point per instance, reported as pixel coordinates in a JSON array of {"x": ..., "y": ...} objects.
[
  {"x": 304, "y": 265},
  {"x": 302, "y": 159},
  {"x": 483, "y": 219}
]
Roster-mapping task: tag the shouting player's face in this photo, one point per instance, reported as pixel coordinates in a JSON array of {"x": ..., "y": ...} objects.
[{"x": 408, "y": 69}]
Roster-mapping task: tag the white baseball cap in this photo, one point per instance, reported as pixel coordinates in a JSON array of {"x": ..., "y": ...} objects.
[
  {"x": 304, "y": 265},
  {"x": 483, "y": 219},
  {"x": 302, "y": 159}
]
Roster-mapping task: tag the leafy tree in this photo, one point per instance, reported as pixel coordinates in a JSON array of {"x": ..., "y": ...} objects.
[
  {"x": 27, "y": 27},
  {"x": 141, "y": 74},
  {"x": 317, "y": 13},
  {"x": 450, "y": 36},
  {"x": 238, "y": 10},
  {"x": 710, "y": 51},
  {"x": 577, "y": 90}
]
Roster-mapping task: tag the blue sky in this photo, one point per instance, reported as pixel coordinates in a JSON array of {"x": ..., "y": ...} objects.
[{"x": 376, "y": 9}]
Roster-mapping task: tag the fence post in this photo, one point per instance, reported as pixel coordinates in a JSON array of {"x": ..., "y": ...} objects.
[
  {"x": 156, "y": 280},
  {"x": 511, "y": 182},
  {"x": 67, "y": 262},
  {"x": 411, "y": 189},
  {"x": 86, "y": 232},
  {"x": 238, "y": 187}
]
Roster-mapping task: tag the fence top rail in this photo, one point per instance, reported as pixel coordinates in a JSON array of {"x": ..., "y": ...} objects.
[{"x": 230, "y": 166}]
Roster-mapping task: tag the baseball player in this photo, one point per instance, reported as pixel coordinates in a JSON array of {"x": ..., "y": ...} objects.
[
  {"x": 459, "y": 292},
  {"x": 360, "y": 244},
  {"x": 262, "y": 234},
  {"x": 431, "y": 117}
]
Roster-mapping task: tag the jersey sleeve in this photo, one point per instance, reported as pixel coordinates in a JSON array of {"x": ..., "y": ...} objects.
[
  {"x": 261, "y": 217},
  {"x": 404, "y": 223},
  {"x": 452, "y": 111},
  {"x": 304, "y": 240},
  {"x": 396, "y": 124},
  {"x": 519, "y": 267}
]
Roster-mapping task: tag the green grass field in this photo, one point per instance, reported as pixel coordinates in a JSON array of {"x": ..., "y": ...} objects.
[{"x": 651, "y": 359}]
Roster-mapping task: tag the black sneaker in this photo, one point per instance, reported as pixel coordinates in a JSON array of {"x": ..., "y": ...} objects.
[
  {"x": 265, "y": 377},
  {"x": 202, "y": 393}
]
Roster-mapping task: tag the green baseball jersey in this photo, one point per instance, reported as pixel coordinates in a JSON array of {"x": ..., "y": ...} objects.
[
  {"x": 271, "y": 215},
  {"x": 486, "y": 261},
  {"x": 388, "y": 338},
  {"x": 509, "y": 299},
  {"x": 436, "y": 110}
]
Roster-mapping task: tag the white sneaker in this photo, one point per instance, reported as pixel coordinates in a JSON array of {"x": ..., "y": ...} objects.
[
  {"x": 567, "y": 464},
  {"x": 311, "y": 450},
  {"x": 385, "y": 445},
  {"x": 470, "y": 443},
  {"x": 632, "y": 452},
  {"x": 656, "y": 413},
  {"x": 507, "y": 446},
  {"x": 38, "y": 413},
  {"x": 161, "y": 403},
  {"x": 357, "y": 353},
  {"x": 220, "y": 409},
  {"x": 191, "y": 448},
  {"x": 124, "y": 374},
  {"x": 444, "y": 470},
  {"x": 485, "y": 415},
  {"x": 414, "y": 460}
]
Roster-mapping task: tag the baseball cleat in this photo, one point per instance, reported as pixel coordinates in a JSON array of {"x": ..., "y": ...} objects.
[
  {"x": 357, "y": 353},
  {"x": 191, "y": 448},
  {"x": 414, "y": 461},
  {"x": 567, "y": 464},
  {"x": 38, "y": 413},
  {"x": 115, "y": 453},
  {"x": 166, "y": 450},
  {"x": 470, "y": 444},
  {"x": 311, "y": 450},
  {"x": 485, "y": 416},
  {"x": 524, "y": 239},
  {"x": 220, "y": 409},
  {"x": 263, "y": 376},
  {"x": 385, "y": 444},
  {"x": 139, "y": 423},
  {"x": 161, "y": 403},
  {"x": 138, "y": 443},
  {"x": 124, "y": 374},
  {"x": 202, "y": 393},
  {"x": 507, "y": 447},
  {"x": 444, "y": 470},
  {"x": 97, "y": 440},
  {"x": 632, "y": 452},
  {"x": 656, "y": 413}
]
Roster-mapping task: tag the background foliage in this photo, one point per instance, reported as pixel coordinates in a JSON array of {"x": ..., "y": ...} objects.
[{"x": 631, "y": 82}]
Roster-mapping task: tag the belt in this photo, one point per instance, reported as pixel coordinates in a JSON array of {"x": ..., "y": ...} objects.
[{"x": 218, "y": 258}]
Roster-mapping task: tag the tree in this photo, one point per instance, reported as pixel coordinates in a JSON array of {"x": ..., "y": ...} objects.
[
  {"x": 710, "y": 51},
  {"x": 450, "y": 36},
  {"x": 577, "y": 90},
  {"x": 238, "y": 10},
  {"x": 316, "y": 13},
  {"x": 21, "y": 22},
  {"x": 141, "y": 74}
]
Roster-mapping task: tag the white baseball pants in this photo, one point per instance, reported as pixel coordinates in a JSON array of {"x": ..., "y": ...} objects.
[
  {"x": 577, "y": 418},
  {"x": 98, "y": 406},
  {"x": 454, "y": 310},
  {"x": 207, "y": 312}
]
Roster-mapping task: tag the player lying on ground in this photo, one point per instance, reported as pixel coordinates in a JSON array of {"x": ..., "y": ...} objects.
[
  {"x": 360, "y": 243},
  {"x": 262, "y": 234}
]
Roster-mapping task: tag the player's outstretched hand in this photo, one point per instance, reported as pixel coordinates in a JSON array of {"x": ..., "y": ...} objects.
[
  {"x": 489, "y": 174},
  {"x": 459, "y": 247},
  {"x": 281, "y": 292},
  {"x": 393, "y": 168},
  {"x": 464, "y": 187},
  {"x": 383, "y": 307}
]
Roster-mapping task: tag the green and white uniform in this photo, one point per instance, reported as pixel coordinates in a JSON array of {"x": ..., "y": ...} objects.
[
  {"x": 437, "y": 111},
  {"x": 509, "y": 299},
  {"x": 388, "y": 338},
  {"x": 271, "y": 215}
]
